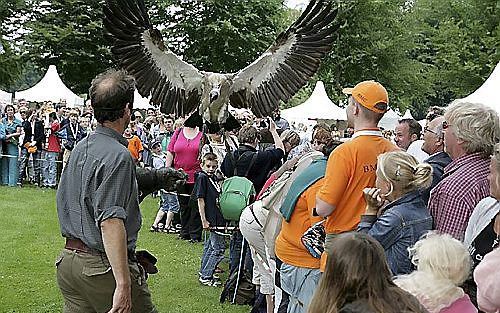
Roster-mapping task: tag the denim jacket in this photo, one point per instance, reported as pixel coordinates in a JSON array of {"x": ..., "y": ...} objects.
[
  {"x": 2, "y": 131},
  {"x": 398, "y": 228}
]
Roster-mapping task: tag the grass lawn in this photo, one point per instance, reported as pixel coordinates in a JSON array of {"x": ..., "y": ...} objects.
[{"x": 30, "y": 242}]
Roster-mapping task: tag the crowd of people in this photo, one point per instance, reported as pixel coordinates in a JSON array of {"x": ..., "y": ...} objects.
[{"x": 359, "y": 221}]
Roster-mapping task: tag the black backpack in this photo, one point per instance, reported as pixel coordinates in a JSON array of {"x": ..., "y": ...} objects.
[{"x": 239, "y": 291}]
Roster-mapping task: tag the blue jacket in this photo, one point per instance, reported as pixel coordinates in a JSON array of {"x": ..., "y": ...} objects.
[
  {"x": 2, "y": 131},
  {"x": 398, "y": 228}
]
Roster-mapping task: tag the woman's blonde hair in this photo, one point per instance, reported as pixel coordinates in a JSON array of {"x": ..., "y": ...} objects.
[
  {"x": 403, "y": 171},
  {"x": 443, "y": 264},
  {"x": 442, "y": 256},
  {"x": 475, "y": 124}
]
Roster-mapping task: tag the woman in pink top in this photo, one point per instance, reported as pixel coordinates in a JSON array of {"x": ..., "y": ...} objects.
[
  {"x": 443, "y": 263},
  {"x": 182, "y": 153}
]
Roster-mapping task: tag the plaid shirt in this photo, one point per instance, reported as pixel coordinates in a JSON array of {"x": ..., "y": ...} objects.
[{"x": 452, "y": 201}]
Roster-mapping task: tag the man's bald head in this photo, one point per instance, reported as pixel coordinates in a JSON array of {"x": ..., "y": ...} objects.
[{"x": 110, "y": 92}]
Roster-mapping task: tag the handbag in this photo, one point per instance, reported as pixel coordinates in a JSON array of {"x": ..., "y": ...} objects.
[{"x": 313, "y": 239}]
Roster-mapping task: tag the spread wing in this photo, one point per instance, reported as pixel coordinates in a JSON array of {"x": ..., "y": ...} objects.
[
  {"x": 289, "y": 63},
  {"x": 159, "y": 73}
]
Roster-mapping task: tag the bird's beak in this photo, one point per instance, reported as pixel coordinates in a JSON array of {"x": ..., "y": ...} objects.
[{"x": 214, "y": 94}]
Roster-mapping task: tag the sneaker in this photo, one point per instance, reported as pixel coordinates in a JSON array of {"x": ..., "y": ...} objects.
[
  {"x": 209, "y": 282},
  {"x": 154, "y": 229}
]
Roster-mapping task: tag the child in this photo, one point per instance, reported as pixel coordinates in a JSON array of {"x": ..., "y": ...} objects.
[
  {"x": 169, "y": 203},
  {"x": 134, "y": 145},
  {"x": 206, "y": 190}
]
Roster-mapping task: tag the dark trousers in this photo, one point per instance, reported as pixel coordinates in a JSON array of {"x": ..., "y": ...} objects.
[{"x": 190, "y": 216}]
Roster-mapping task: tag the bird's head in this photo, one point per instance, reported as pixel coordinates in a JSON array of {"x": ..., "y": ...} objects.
[{"x": 215, "y": 100}]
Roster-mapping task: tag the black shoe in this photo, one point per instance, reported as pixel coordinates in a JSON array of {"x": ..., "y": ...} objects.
[{"x": 184, "y": 237}]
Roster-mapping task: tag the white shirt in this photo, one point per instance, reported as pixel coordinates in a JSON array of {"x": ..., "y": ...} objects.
[{"x": 415, "y": 149}]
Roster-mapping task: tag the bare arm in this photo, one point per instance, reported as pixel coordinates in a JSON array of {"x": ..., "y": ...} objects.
[
  {"x": 288, "y": 165},
  {"x": 201, "y": 208},
  {"x": 277, "y": 140},
  {"x": 169, "y": 159},
  {"x": 16, "y": 134},
  {"x": 323, "y": 208},
  {"x": 114, "y": 238}
]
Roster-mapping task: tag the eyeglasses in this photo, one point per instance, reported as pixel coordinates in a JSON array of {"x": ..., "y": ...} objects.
[
  {"x": 446, "y": 125},
  {"x": 426, "y": 129}
]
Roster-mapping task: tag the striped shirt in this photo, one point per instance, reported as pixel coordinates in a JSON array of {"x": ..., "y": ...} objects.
[{"x": 464, "y": 184}]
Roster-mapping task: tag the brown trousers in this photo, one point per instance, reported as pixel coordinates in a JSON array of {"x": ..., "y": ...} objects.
[{"x": 87, "y": 284}]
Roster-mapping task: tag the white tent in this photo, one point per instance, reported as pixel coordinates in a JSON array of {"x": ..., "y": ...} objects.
[
  {"x": 408, "y": 115},
  {"x": 390, "y": 120},
  {"x": 5, "y": 97},
  {"x": 140, "y": 102},
  {"x": 318, "y": 106},
  {"x": 50, "y": 88},
  {"x": 487, "y": 94}
]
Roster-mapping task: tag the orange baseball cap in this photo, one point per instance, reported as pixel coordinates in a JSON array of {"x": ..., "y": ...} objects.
[{"x": 370, "y": 94}]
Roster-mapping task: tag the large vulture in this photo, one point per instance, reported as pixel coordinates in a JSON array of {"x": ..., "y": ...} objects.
[{"x": 178, "y": 87}]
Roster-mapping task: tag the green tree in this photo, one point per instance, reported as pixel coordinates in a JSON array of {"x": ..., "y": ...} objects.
[
  {"x": 69, "y": 34},
  {"x": 10, "y": 60},
  {"x": 458, "y": 44},
  {"x": 223, "y": 35}
]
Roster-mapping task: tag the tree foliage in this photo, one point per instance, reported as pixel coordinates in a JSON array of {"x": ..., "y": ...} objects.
[
  {"x": 69, "y": 34},
  {"x": 222, "y": 35},
  {"x": 425, "y": 52},
  {"x": 10, "y": 62}
]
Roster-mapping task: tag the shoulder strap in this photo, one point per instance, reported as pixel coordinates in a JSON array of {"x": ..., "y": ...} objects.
[
  {"x": 254, "y": 157},
  {"x": 204, "y": 140}
]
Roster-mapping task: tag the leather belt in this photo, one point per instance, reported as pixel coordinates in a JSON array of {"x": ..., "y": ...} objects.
[{"x": 79, "y": 246}]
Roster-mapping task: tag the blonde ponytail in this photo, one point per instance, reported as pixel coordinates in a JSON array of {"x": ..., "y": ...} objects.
[
  {"x": 422, "y": 177},
  {"x": 403, "y": 171}
]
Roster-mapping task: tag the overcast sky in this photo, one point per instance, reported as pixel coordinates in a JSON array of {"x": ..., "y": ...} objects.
[{"x": 297, "y": 4}]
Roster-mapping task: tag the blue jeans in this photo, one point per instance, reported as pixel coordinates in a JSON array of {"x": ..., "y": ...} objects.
[
  {"x": 49, "y": 169},
  {"x": 10, "y": 167},
  {"x": 299, "y": 283},
  {"x": 213, "y": 254},
  {"x": 169, "y": 202}
]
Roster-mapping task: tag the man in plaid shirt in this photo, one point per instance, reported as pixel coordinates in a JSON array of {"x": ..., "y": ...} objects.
[{"x": 470, "y": 132}]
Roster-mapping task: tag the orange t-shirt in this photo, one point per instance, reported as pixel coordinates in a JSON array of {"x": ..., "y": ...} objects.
[
  {"x": 289, "y": 247},
  {"x": 351, "y": 167},
  {"x": 135, "y": 147}
]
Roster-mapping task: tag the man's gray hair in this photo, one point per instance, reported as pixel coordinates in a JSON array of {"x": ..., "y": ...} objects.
[{"x": 477, "y": 125}]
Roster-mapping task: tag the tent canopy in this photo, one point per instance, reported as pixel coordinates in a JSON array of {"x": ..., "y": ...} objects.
[
  {"x": 5, "y": 97},
  {"x": 487, "y": 94},
  {"x": 50, "y": 88},
  {"x": 140, "y": 102},
  {"x": 318, "y": 106},
  {"x": 408, "y": 115},
  {"x": 390, "y": 120}
]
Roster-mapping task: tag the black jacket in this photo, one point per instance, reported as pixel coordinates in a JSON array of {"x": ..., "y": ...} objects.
[
  {"x": 37, "y": 135},
  {"x": 73, "y": 138},
  {"x": 438, "y": 162},
  {"x": 259, "y": 172}
]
